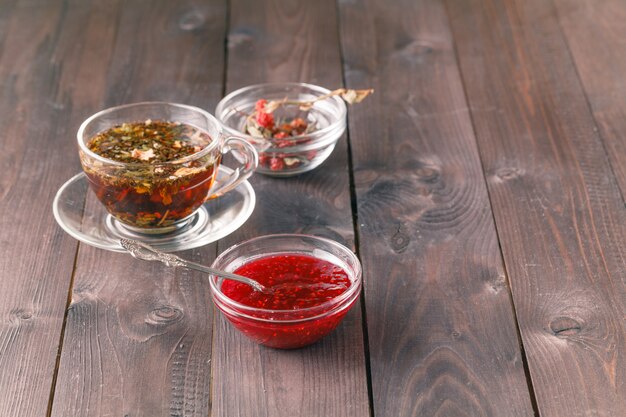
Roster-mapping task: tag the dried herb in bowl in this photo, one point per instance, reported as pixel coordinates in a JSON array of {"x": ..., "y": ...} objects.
[{"x": 284, "y": 132}]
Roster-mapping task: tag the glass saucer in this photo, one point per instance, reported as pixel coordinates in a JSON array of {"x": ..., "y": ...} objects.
[{"x": 81, "y": 215}]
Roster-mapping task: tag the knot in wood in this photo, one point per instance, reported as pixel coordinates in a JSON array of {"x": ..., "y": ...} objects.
[
  {"x": 240, "y": 37},
  {"x": 564, "y": 327},
  {"x": 508, "y": 173},
  {"x": 423, "y": 48},
  {"x": 191, "y": 21},
  {"x": 164, "y": 315},
  {"x": 400, "y": 241},
  {"x": 17, "y": 317},
  {"x": 497, "y": 283},
  {"x": 428, "y": 174},
  {"x": 21, "y": 315},
  {"x": 415, "y": 48}
]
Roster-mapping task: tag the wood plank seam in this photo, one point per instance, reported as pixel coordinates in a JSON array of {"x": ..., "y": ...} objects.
[
  {"x": 214, "y": 323},
  {"x": 355, "y": 230},
  {"x": 277, "y": 41},
  {"x": 138, "y": 336},
  {"x": 529, "y": 382},
  {"x": 65, "y": 315},
  {"x": 35, "y": 120},
  {"x": 583, "y": 221},
  {"x": 62, "y": 335},
  {"x": 355, "y": 225},
  {"x": 227, "y": 25},
  {"x": 586, "y": 95},
  {"x": 423, "y": 360}
]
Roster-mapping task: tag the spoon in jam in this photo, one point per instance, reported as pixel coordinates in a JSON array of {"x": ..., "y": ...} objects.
[{"x": 146, "y": 252}]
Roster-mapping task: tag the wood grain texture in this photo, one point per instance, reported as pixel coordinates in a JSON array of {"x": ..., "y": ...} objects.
[
  {"x": 441, "y": 325},
  {"x": 543, "y": 87},
  {"x": 596, "y": 35},
  {"x": 558, "y": 210},
  {"x": 291, "y": 41},
  {"x": 138, "y": 340},
  {"x": 138, "y": 335},
  {"x": 36, "y": 257}
]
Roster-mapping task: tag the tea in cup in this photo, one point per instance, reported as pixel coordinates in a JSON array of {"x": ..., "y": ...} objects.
[{"x": 153, "y": 164}]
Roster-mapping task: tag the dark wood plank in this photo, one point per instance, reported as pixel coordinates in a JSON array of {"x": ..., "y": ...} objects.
[
  {"x": 595, "y": 32},
  {"x": 37, "y": 258},
  {"x": 558, "y": 210},
  {"x": 138, "y": 335},
  {"x": 291, "y": 41},
  {"x": 441, "y": 326}
]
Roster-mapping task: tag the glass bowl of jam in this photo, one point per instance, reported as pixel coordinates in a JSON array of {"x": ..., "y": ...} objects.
[
  {"x": 311, "y": 282},
  {"x": 293, "y": 126}
]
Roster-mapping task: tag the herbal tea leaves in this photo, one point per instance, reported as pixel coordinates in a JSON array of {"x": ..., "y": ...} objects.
[
  {"x": 150, "y": 141},
  {"x": 152, "y": 189}
]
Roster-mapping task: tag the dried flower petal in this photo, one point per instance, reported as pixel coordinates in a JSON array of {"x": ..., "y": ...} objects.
[
  {"x": 355, "y": 96},
  {"x": 252, "y": 130},
  {"x": 181, "y": 172},
  {"x": 265, "y": 120},
  {"x": 142, "y": 155},
  {"x": 349, "y": 96},
  {"x": 166, "y": 198},
  {"x": 272, "y": 106},
  {"x": 259, "y": 106},
  {"x": 291, "y": 161}
]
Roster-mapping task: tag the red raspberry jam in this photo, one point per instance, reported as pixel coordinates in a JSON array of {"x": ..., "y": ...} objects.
[{"x": 297, "y": 282}]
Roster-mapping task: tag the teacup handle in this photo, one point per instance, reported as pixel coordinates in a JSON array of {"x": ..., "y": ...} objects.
[{"x": 248, "y": 165}]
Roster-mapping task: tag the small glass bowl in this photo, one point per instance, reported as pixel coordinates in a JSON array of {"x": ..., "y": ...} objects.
[
  {"x": 287, "y": 329},
  {"x": 297, "y": 154}
]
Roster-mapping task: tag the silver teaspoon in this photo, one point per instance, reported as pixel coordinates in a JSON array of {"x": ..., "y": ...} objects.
[{"x": 146, "y": 252}]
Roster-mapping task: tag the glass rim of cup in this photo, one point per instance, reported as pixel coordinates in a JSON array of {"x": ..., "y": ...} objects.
[{"x": 83, "y": 146}]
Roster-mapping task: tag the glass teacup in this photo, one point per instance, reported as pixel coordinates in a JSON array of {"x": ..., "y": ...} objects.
[{"x": 161, "y": 197}]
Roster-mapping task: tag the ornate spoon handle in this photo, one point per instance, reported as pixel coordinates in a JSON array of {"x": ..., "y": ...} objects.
[{"x": 146, "y": 252}]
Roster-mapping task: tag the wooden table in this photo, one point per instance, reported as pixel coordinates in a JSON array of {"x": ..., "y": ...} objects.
[{"x": 482, "y": 187}]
